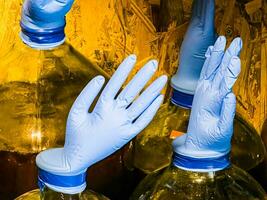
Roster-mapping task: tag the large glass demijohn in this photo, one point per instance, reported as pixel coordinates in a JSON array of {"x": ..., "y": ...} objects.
[{"x": 37, "y": 88}]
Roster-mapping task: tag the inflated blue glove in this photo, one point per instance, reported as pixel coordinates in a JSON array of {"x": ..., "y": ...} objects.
[
  {"x": 199, "y": 36},
  {"x": 43, "y": 22},
  {"x": 115, "y": 120},
  {"x": 207, "y": 144}
]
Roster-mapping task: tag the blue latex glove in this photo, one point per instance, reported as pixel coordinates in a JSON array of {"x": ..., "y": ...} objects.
[
  {"x": 199, "y": 36},
  {"x": 115, "y": 120},
  {"x": 43, "y": 22},
  {"x": 207, "y": 144}
]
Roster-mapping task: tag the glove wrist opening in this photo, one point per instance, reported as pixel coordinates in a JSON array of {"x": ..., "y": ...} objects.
[
  {"x": 73, "y": 184},
  {"x": 182, "y": 99},
  {"x": 43, "y": 38},
  {"x": 201, "y": 164}
]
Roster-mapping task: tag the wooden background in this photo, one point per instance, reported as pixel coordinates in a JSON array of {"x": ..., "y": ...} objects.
[{"x": 105, "y": 31}]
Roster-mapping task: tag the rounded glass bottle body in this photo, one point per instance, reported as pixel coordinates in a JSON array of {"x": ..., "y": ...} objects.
[
  {"x": 37, "y": 90},
  {"x": 232, "y": 183}
]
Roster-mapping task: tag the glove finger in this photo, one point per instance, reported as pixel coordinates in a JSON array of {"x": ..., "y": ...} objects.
[
  {"x": 147, "y": 97},
  {"x": 64, "y": 3},
  {"x": 57, "y": 7},
  {"x": 118, "y": 78},
  {"x": 216, "y": 57},
  {"x": 233, "y": 50},
  {"x": 205, "y": 66},
  {"x": 146, "y": 117},
  {"x": 202, "y": 11},
  {"x": 87, "y": 96},
  {"x": 231, "y": 74},
  {"x": 227, "y": 114},
  {"x": 196, "y": 11},
  {"x": 137, "y": 84},
  {"x": 209, "y": 16}
]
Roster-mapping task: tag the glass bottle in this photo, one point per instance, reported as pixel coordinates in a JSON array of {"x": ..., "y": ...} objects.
[
  {"x": 37, "y": 89},
  {"x": 231, "y": 183},
  {"x": 260, "y": 172},
  {"x": 48, "y": 194},
  {"x": 248, "y": 149}
]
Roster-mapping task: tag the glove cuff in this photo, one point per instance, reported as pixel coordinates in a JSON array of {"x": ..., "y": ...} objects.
[
  {"x": 182, "y": 99},
  {"x": 42, "y": 38},
  {"x": 73, "y": 184},
  {"x": 201, "y": 164}
]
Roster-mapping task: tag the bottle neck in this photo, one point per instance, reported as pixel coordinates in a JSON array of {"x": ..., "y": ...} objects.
[
  {"x": 198, "y": 176},
  {"x": 59, "y": 184},
  {"x": 173, "y": 105},
  {"x": 49, "y": 194},
  {"x": 181, "y": 112},
  {"x": 58, "y": 51},
  {"x": 201, "y": 164}
]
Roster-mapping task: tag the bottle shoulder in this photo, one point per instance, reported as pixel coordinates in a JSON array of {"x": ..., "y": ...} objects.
[
  {"x": 24, "y": 64},
  {"x": 231, "y": 183},
  {"x": 48, "y": 194}
]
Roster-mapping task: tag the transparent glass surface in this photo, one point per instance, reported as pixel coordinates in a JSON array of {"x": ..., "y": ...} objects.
[
  {"x": 153, "y": 150},
  {"x": 37, "y": 89},
  {"x": 248, "y": 149},
  {"x": 18, "y": 174},
  {"x": 229, "y": 184},
  {"x": 48, "y": 194}
]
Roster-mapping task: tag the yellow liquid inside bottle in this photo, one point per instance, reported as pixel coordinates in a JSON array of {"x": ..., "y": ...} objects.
[
  {"x": 153, "y": 150},
  {"x": 37, "y": 90}
]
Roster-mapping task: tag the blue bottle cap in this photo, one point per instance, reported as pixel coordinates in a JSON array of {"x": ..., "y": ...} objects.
[
  {"x": 182, "y": 99},
  {"x": 42, "y": 38}
]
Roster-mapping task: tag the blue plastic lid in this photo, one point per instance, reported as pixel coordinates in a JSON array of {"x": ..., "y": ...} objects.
[
  {"x": 201, "y": 164},
  {"x": 74, "y": 183},
  {"x": 182, "y": 99},
  {"x": 43, "y": 38}
]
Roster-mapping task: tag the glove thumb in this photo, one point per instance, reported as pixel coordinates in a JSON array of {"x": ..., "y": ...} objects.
[
  {"x": 85, "y": 99},
  {"x": 227, "y": 114}
]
